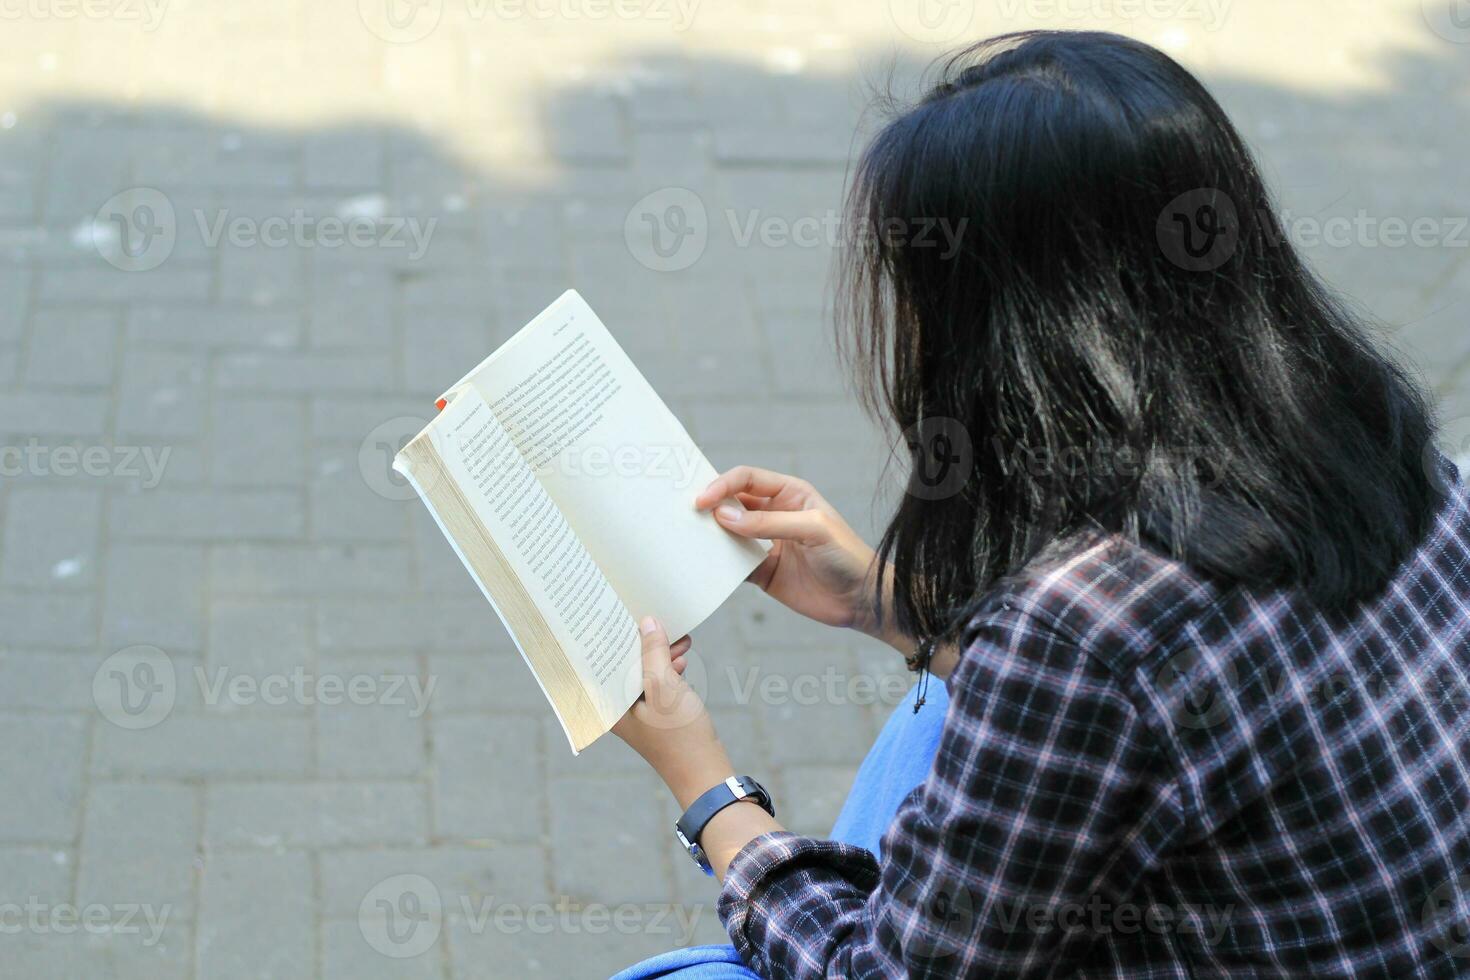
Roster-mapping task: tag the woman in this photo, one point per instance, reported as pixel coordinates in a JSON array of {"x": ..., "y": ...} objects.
[{"x": 1199, "y": 593}]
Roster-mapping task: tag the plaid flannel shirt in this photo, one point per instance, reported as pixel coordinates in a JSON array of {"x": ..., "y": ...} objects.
[{"x": 1145, "y": 775}]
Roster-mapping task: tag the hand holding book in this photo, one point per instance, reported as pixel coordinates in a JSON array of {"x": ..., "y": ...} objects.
[
  {"x": 564, "y": 484},
  {"x": 818, "y": 566}
]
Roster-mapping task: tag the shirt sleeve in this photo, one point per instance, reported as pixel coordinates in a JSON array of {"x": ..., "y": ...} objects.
[{"x": 1047, "y": 803}]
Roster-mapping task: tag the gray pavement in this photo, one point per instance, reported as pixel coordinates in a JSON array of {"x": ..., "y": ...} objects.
[{"x": 257, "y": 721}]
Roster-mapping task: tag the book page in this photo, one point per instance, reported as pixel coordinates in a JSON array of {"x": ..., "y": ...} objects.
[
  {"x": 580, "y": 606},
  {"x": 618, "y": 464}
]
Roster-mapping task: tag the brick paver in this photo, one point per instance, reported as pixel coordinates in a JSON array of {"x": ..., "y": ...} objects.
[{"x": 241, "y": 248}]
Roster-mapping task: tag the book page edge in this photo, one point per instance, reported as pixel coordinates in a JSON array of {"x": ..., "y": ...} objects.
[{"x": 407, "y": 473}]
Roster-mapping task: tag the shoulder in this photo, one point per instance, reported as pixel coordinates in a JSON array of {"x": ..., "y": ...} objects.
[
  {"x": 1103, "y": 597},
  {"x": 1048, "y": 674}
]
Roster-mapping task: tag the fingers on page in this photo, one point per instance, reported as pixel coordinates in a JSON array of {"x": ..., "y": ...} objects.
[{"x": 744, "y": 479}]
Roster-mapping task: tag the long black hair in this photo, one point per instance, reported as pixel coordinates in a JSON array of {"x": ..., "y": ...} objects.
[{"x": 1111, "y": 335}]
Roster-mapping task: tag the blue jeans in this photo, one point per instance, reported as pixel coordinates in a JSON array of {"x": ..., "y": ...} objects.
[{"x": 897, "y": 763}]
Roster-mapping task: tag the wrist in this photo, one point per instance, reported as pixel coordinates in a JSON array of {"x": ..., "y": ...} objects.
[
  {"x": 691, "y": 776},
  {"x": 873, "y": 616},
  {"x": 714, "y": 828}
]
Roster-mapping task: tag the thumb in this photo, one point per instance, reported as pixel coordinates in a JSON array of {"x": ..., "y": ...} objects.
[
  {"x": 657, "y": 660},
  {"x": 668, "y": 699}
]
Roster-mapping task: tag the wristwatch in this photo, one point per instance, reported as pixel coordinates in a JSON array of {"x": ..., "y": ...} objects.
[{"x": 693, "y": 822}]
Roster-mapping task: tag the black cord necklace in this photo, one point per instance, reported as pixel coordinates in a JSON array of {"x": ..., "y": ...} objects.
[{"x": 919, "y": 662}]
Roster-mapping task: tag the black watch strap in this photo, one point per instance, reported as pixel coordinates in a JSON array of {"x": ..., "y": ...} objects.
[{"x": 711, "y": 802}]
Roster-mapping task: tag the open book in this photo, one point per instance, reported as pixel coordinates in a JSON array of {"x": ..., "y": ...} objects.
[{"x": 567, "y": 487}]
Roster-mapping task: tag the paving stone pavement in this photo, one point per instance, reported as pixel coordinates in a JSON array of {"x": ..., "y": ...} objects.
[{"x": 257, "y": 722}]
